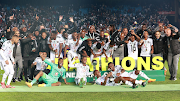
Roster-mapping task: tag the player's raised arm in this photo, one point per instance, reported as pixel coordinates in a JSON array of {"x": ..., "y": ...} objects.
[
  {"x": 71, "y": 64},
  {"x": 46, "y": 61},
  {"x": 108, "y": 75}
]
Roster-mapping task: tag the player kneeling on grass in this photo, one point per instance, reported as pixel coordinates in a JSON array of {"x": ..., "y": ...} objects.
[
  {"x": 52, "y": 78},
  {"x": 132, "y": 76},
  {"x": 82, "y": 71},
  {"x": 108, "y": 80}
]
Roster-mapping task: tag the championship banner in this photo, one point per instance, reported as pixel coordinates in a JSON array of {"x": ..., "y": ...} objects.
[
  {"x": 157, "y": 73},
  {"x": 153, "y": 74}
]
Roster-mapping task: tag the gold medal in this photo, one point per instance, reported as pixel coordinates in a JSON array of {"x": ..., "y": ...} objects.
[{"x": 146, "y": 49}]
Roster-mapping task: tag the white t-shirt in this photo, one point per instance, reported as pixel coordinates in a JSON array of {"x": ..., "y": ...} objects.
[
  {"x": 133, "y": 49},
  {"x": 146, "y": 47},
  {"x": 41, "y": 65},
  {"x": 109, "y": 50}
]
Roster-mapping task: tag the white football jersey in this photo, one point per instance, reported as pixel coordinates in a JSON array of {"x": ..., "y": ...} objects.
[
  {"x": 109, "y": 50},
  {"x": 55, "y": 43},
  {"x": 133, "y": 49},
  {"x": 41, "y": 65},
  {"x": 146, "y": 47},
  {"x": 62, "y": 40},
  {"x": 117, "y": 70},
  {"x": 134, "y": 76},
  {"x": 95, "y": 50},
  {"x": 100, "y": 80},
  {"x": 72, "y": 44},
  {"x": 7, "y": 50},
  {"x": 82, "y": 71}
]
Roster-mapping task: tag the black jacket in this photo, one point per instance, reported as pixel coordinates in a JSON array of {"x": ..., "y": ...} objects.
[
  {"x": 27, "y": 48},
  {"x": 22, "y": 43},
  {"x": 32, "y": 29},
  {"x": 158, "y": 45},
  {"x": 43, "y": 45},
  {"x": 9, "y": 34},
  {"x": 174, "y": 44},
  {"x": 84, "y": 47}
]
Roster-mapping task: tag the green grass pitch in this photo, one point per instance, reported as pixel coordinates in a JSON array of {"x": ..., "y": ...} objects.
[{"x": 96, "y": 96}]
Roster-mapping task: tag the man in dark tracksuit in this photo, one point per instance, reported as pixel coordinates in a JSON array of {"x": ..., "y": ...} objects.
[
  {"x": 85, "y": 48},
  {"x": 172, "y": 48},
  {"x": 158, "y": 44},
  {"x": 29, "y": 50}
]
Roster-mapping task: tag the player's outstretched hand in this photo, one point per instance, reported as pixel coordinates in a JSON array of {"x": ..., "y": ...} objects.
[
  {"x": 41, "y": 54},
  {"x": 76, "y": 58},
  {"x": 7, "y": 62},
  {"x": 67, "y": 83},
  {"x": 71, "y": 19},
  {"x": 11, "y": 17},
  {"x": 37, "y": 18},
  {"x": 60, "y": 17}
]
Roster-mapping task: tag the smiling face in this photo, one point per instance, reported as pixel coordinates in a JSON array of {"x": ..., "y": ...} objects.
[
  {"x": 157, "y": 34},
  {"x": 17, "y": 33},
  {"x": 111, "y": 67},
  {"x": 144, "y": 27},
  {"x": 102, "y": 34},
  {"x": 74, "y": 35},
  {"x": 168, "y": 32},
  {"x": 89, "y": 43},
  {"x": 37, "y": 33},
  {"x": 60, "y": 62},
  {"x": 122, "y": 36},
  {"x": 97, "y": 73},
  {"x": 83, "y": 33},
  {"x": 44, "y": 35},
  {"x": 84, "y": 60},
  {"x": 146, "y": 34},
  {"x": 132, "y": 38},
  {"x": 24, "y": 29},
  {"x": 125, "y": 31}
]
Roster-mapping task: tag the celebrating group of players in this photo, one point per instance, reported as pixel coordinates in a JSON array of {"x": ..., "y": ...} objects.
[{"x": 108, "y": 43}]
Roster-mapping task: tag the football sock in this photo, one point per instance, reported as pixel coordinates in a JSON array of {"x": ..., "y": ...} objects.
[
  {"x": 9, "y": 79},
  {"x": 33, "y": 81},
  {"x": 4, "y": 77},
  {"x": 138, "y": 82},
  {"x": 128, "y": 83}
]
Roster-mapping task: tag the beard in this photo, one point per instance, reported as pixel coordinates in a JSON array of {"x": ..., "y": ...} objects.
[{"x": 60, "y": 64}]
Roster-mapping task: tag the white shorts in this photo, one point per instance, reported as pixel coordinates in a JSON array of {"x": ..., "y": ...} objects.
[
  {"x": 77, "y": 80},
  {"x": 133, "y": 76},
  {"x": 9, "y": 69},
  {"x": 125, "y": 74},
  {"x": 53, "y": 55}
]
